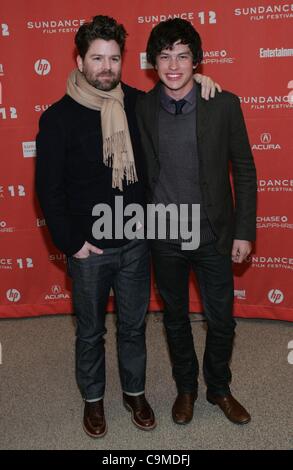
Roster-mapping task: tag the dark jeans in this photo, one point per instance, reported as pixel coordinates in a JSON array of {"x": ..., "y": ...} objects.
[
  {"x": 215, "y": 279},
  {"x": 127, "y": 271}
]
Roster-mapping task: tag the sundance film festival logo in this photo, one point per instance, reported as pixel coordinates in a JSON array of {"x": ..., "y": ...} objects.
[
  {"x": 273, "y": 221},
  {"x": 217, "y": 57},
  {"x": 203, "y": 17},
  {"x": 276, "y": 296},
  {"x": 6, "y": 263},
  {"x": 17, "y": 190},
  {"x": 275, "y": 185},
  {"x": 278, "y": 11},
  {"x": 29, "y": 149},
  {"x": 266, "y": 102},
  {"x": 57, "y": 257},
  {"x": 42, "y": 67},
  {"x": 20, "y": 263},
  {"x": 56, "y": 26},
  {"x": 40, "y": 108},
  {"x": 13, "y": 295},
  {"x": 270, "y": 262},
  {"x": 266, "y": 143}
]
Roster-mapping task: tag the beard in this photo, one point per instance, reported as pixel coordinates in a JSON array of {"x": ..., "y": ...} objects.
[{"x": 105, "y": 81}]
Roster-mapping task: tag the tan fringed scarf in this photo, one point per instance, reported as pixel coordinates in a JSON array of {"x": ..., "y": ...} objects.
[{"x": 117, "y": 147}]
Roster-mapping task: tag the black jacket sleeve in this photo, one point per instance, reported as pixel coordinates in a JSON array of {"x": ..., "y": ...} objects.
[
  {"x": 244, "y": 175},
  {"x": 50, "y": 183}
]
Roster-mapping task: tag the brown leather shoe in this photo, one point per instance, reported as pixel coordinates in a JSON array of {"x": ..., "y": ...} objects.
[
  {"x": 94, "y": 422},
  {"x": 182, "y": 411},
  {"x": 142, "y": 414},
  {"x": 231, "y": 408}
]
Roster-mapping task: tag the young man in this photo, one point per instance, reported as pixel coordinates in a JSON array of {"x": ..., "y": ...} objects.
[
  {"x": 88, "y": 152},
  {"x": 189, "y": 145}
]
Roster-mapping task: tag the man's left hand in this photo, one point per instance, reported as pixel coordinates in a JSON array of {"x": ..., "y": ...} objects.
[
  {"x": 240, "y": 249},
  {"x": 208, "y": 86}
]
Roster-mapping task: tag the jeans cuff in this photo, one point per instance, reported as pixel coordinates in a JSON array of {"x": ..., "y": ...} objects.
[
  {"x": 92, "y": 400},
  {"x": 136, "y": 394}
]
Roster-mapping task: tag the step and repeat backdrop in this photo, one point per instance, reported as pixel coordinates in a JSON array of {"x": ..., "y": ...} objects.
[{"x": 247, "y": 49}]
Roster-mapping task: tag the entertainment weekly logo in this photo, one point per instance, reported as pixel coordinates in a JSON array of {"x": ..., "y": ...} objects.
[
  {"x": 59, "y": 26},
  {"x": 272, "y": 12},
  {"x": 275, "y": 53},
  {"x": 275, "y": 185},
  {"x": 263, "y": 103},
  {"x": 201, "y": 17},
  {"x": 270, "y": 262},
  {"x": 265, "y": 143},
  {"x": 273, "y": 222}
]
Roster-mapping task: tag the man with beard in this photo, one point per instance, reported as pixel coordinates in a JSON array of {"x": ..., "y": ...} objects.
[{"x": 88, "y": 152}]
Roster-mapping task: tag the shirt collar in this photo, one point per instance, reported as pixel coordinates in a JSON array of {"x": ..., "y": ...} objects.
[{"x": 166, "y": 99}]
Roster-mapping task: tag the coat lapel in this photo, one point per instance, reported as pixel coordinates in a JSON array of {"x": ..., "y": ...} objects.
[
  {"x": 202, "y": 116},
  {"x": 153, "y": 118}
]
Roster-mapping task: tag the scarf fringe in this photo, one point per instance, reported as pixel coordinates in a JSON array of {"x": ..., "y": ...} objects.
[{"x": 116, "y": 156}]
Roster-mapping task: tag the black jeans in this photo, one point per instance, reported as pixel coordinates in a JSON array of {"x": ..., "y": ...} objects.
[
  {"x": 215, "y": 278},
  {"x": 127, "y": 271}
]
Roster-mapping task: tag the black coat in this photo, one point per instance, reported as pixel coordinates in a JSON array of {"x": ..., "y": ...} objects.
[
  {"x": 222, "y": 143},
  {"x": 71, "y": 177}
]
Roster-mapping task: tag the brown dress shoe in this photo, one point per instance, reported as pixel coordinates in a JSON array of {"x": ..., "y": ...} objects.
[
  {"x": 182, "y": 411},
  {"x": 94, "y": 422},
  {"x": 231, "y": 408},
  {"x": 142, "y": 414}
]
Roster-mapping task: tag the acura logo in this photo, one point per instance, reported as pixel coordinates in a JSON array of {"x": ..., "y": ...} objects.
[
  {"x": 265, "y": 138},
  {"x": 56, "y": 289}
]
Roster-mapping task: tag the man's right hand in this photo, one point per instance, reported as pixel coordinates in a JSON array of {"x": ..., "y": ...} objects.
[{"x": 85, "y": 251}]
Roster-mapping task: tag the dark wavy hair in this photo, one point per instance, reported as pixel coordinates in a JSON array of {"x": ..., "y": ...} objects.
[
  {"x": 165, "y": 34},
  {"x": 101, "y": 27}
]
